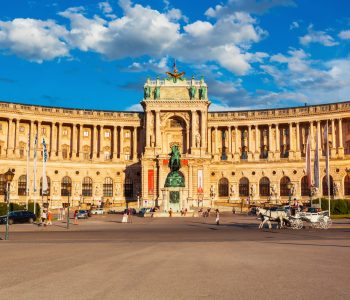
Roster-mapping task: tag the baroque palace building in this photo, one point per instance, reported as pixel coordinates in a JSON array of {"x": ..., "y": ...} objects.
[{"x": 117, "y": 157}]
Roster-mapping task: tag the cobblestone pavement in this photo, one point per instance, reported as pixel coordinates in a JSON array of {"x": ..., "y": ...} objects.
[{"x": 174, "y": 258}]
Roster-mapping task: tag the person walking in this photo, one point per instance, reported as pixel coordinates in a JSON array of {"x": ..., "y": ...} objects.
[
  {"x": 75, "y": 217},
  {"x": 217, "y": 220},
  {"x": 49, "y": 218},
  {"x": 170, "y": 212},
  {"x": 43, "y": 217}
]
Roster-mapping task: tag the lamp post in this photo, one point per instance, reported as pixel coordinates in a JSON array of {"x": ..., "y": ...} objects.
[
  {"x": 8, "y": 178},
  {"x": 289, "y": 186}
]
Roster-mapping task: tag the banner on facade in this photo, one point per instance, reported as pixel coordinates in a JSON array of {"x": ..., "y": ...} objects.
[
  {"x": 44, "y": 186},
  {"x": 200, "y": 182},
  {"x": 317, "y": 166},
  {"x": 150, "y": 182},
  {"x": 308, "y": 161}
]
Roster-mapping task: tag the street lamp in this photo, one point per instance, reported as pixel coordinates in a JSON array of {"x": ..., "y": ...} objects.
[
  {"x": 289, "y": 186},
  {"x": 8, "y": 176}
]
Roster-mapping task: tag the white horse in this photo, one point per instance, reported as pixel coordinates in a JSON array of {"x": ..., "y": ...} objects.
[{"x": 268, "y": 216}]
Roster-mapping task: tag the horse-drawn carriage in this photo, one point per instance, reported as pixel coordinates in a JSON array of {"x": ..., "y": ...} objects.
[
  {"x": 319, "y": 220},
  {"x": 284, "y": 218}
]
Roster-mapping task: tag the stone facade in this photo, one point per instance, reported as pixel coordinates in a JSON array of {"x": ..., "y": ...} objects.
[{"x": 107, "y": 156}]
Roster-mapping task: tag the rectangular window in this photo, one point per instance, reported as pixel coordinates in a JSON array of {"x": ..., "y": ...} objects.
[
  {"x": 127, "y": 156},
  {"x": 87, "y": 156},
  {"x": 43, "y": 130},
  {"x": 107, "y": 156},
  {"x": 21, "y": 152},
  {"x": 65, "y": 153},
  {"x": 86, "y": 133},
  {"x": 127, "y": 134}
]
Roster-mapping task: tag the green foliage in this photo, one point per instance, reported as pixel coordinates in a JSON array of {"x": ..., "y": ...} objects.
[
  {"x": 15, "y": 206},
  {"x": 338, "y": 207}
]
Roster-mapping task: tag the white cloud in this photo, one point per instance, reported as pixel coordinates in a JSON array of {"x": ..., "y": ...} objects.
[
  {"x": 345, "y": 35},
  {"x": 158, "y": 66},
  {"x": 142, "y": 31},
  {"x": 249, "y": 6},
  {"x": 294, "y": 25},
  {"x": 105, "y": 7},
  {"x": 34, "y": 40},
  {"x": 320, "y": 37}
]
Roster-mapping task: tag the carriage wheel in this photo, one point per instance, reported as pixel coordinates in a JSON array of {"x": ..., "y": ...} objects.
[
  {"x": 300, "y": 224},
  {"x": 323, "y": 224}
]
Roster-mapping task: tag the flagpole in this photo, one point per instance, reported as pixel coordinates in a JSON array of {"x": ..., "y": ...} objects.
[
  {"x": 34, "y": 169},
  {"x": 27, "y": 182},
  {"x": 327, "y": 171}
]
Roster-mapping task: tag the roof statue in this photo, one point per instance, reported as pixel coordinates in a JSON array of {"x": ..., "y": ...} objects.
[{"x": 175, "y": 75}]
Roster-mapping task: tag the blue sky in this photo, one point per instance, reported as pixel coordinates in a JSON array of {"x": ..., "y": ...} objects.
[{"x": 97, "y": 54}]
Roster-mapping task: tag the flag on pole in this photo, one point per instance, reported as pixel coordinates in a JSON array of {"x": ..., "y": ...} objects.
[
  {"x": 44, "y": 181},
  {"x": 317, "y": 166},
  {"x": 327, "y": 167},
  {"x": 35, "y": 159},
  {"x": 28, "y": 157},
  {"x": 308, "y": 161}
]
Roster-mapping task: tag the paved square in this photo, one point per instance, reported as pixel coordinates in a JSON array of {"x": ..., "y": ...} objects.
[{"x": 178, "y": 258}]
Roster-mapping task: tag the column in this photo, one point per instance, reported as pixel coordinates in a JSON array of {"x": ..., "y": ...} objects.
[
  {"x": 10, "y": 138},
  {"x": 53, "y": 140},
  {"x": 216, "y": 140},
  {"x": 203, "y": 126},
  {"x": 250, "y": 147},
  {"x": 209, "y": 140},
  {"x": 270, "y": 152},
  {"x": 121, "y": 143},
  {"x": 190, "y": 181},
  {"x": 81, "y": 138},
  {"x": 148, "y": 134},
  {"x": 340, "y": 132},
  {"x": 334, "y": 145},
  {"x": 115, "y": 143},
  {"x": 94, "y": 141},
  {"x": 100, "y": 143},
  {"x": 298, "y": 138},
  {"x": 59, "y": 135},
  {"x": 277, "y": 138},
  {"x": 74, "y": 141},
  {"x": 134, "y": 146},
  {"x": 257, "y": 140},
  {"x": 17, "y": 138},
  {"x": 193, "y": 127},
  {"x": 236, "y": 140},
  {"x": 291, "y": 144},
  {"x": 229, "y": 141},
  {"x": 158, "y": 133},
  {"x": 312, "y": 135}
]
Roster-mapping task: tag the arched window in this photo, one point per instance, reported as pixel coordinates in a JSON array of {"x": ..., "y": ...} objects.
[
  {"x": 347, "y": 185},
  {"x": 244, "y": 187},
  {"x": 223, "y": 187},
  {"x": 264, "y": 187},
  {"x": 66, "y": 186},
  {"x": 128, "y": 187},
  {"x": 87, "y": 187},
  {"x": 108, "y": 187},
  {"x": 2, "y": 184},
  {"x": 22, "y": 185},
  {"x": 305, "y": 190},
  {"x": 325, "y": 186},
  {"x": 284, "y": 190},
  {"x": 48, "y": 186}
]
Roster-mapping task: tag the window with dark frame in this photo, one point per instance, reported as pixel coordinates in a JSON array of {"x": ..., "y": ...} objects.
[
  {"x": 264, "y": 187},
  {"x": 284, "y": 190},
  {"x": 66, "y": 186},
  {"x": 108, "y": 187},
  {"x": 244, "y": 187},
  {"x": 87, "y": 187},
  {"x": 128, "y": 188},
  {"x": 22, "y": 185},
  {"x": 223, "y": 187}
]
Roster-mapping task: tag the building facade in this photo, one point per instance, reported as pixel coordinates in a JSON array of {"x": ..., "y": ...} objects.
[{"x": 114, "y": 157}]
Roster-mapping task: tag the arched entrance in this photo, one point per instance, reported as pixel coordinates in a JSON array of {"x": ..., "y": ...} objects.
[{"x": 175, "y": 132}]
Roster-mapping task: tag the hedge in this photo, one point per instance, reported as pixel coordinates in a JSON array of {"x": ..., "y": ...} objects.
[
  {"x": 15, "y": 206},
  {"x": 338, "y": 206}
]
